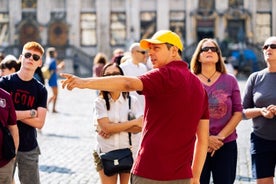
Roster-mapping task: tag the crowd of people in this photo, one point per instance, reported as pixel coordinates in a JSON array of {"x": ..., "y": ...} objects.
[{"x": 183, "y": 128}]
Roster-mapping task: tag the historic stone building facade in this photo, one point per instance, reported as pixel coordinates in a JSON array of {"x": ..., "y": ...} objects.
[{"x": 91, "y": 26}]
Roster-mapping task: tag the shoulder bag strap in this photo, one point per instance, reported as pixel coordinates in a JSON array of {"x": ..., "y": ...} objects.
[{"x": 129, "y": 106}]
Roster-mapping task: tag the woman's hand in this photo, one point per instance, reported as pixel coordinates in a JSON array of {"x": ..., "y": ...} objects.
[
  {"x": 215, "y": 143},
  {"x": 104, "y": 134},
  {"x": 272, "y": 109},
  {"x": 267, "y": 113}
]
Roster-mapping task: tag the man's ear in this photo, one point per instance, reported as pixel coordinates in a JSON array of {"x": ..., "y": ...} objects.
[
  {"x": 20, "y": 58},
  {"x": 175, "y": 50},
  {"x": 40, "y": 64}
]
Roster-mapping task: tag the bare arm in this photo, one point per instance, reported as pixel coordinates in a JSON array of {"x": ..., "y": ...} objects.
[
  {"x": 109, "y": 127},
  {"x": 114, "y": 83},
  {"x": 216, "y": 141},
  {"x": 37, "y": 121},
  {"x": 255, "y": 112},
  {"x": 231, "y": 125},
  {"x": 200, "y": 151},
  {"x": 138, "y": 127},
  {"x": 14, "y": 132}
]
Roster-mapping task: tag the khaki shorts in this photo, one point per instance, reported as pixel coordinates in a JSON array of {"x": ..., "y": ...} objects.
[
  {"x": 97, "y": 161},
  {"x": 137, "y": 180},
  {"x": 6, "y": 172}
]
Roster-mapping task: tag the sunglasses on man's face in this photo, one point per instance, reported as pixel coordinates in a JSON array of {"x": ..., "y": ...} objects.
[
  {"x": 29, "y": 55},
  {"x": 272, "y": 46},
  {"x": 141, "y": 51},
  {"x": 206, "y": 49}
]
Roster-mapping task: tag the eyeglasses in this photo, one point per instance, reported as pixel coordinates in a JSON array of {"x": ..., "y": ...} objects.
[
  {"x": 206, "y": 49},
  {"x": 141, "y": 51},
  {"x": 111, "y": 74},
  {"x": 272, "y": 46},
  {"x": 35, "y": 56}
]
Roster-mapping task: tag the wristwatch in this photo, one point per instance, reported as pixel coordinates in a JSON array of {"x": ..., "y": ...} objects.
[{"x": 32, "y": 113}]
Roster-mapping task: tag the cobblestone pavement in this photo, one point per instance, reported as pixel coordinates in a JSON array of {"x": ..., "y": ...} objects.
[{"x": 67, "y": 140}]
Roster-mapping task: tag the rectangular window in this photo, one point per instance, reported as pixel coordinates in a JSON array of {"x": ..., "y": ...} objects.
[
  {"x": 177, "y": 23},
  {"x": 117, "y": 28},
  {"x": 148, "y": 24},
  {"x": 88, "y": 29},
  {"x": 236, "y": 30},
  {"x": 4, "y": 29},
  {"x": 263, "y": 27}
]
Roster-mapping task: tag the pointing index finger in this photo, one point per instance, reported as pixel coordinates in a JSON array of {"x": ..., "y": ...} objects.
[{"x": 65, "y": 75}]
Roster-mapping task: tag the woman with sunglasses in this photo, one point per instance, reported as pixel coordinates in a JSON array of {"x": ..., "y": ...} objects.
[
  {"x": 259, "y": 102},
  {"x": 111, "y": 112},
  {"x": 225, "y": 112}
]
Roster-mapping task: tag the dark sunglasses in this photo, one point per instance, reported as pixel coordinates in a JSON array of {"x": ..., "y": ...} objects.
[
  {"x": 272, "y": 46},
  {"x": 111, "y": 74},
  {"x": 142, "y": 52},
  {"x": 206, "y": 49},
  {"x": 35, "y": 56}
]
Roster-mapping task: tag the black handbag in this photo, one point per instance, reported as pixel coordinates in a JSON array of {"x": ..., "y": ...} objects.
[
  {"x": 8, "y": 147},
  {"x": 120, "y": 160},
  {"x": 117, "y": 161}
]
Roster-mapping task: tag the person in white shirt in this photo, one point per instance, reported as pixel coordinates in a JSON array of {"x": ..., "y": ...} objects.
[
  {"x": 134, "y": 66},
  {"x": 111, "y": 114}
]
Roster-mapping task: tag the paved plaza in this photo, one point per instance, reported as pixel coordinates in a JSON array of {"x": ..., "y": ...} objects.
[{"x": 68, "y": 138}]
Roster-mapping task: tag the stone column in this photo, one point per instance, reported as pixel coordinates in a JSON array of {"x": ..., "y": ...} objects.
[
  {"x": 220, "y": 23},
  {"x": 163, "y": 8},
  {"x": 103, "y": 23},
  {"x": 73, "y": 19},
  {"x": 14, "y": 9},
  {"x": 273, "y": 17},
  {"x": 190, "y": 24}
]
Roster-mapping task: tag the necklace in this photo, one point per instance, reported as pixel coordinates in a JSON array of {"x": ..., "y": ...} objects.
[{"x": 209, "y": 78}]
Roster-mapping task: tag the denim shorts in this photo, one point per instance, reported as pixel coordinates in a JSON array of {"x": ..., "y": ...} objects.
[{"x": 263, "y": 157}]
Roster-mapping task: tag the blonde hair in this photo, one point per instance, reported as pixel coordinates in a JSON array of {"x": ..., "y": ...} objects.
[{"x": 100, "y": 58}]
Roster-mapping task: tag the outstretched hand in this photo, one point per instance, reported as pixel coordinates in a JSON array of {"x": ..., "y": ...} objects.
[{"x": 71, "y": 81}]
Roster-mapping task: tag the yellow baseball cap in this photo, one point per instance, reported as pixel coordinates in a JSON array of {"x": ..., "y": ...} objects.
[{"x": 163, "y": 36}]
